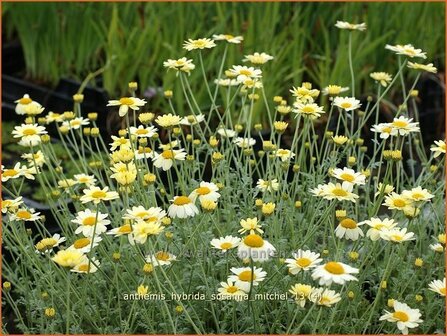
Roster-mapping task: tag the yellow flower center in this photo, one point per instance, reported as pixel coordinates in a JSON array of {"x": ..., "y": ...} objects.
[
  {"x": 226, "y": 246},
  {"x": 347, "y": 177},
  {"x": 325, "y": 300},
  {"x": 254, "y": 240},
  {"x": 396, "y": 237},
  {"x": 182, "y": 200},
  {"x": 232, "y": 289},
  {"x": 417, "y": 195},
  {"x": 46, "y": 243},
  {"x": 84, "y": 268},
  {"x": 23, "y": 214},
  {"x": 199, "y": 44},
  {"x": 125, "y": 229},
  {"x": 442, "y": 290},
  {"x": 386, "y": 130},
  {"x": 400, "y": 123},
  {"x": 25, "y": 101},
  {"x": 401, "y": 316},
  {"x": 246, "y": 276},
  {"x": 126, "y": 101},
  {"x": 409, "y": 51},
  {"x": 164, "y": 256},
  {"x": 334, "y": 268},
  {"x": 75, "y": 122},
  {"x": 346, "y": 105},
  {"x": 142, "y": 131},
  {"x": 10, "y": 173},
  {"x": 168, "y": 154},
  {"x": 142, "y": 214},
  {"x": 348, "y": 223},
  {"x": 308, "y": 109},
  {"x": 229, "y": 37},
  {"x": 29, "y": 131},
  {"x": 203, "y": 190},
  {"x": 89, "y": 221},
  {"x": 80, "y": 243},
  {"x": 340, "y": 192},
  {"x": 400, "y": 203},
  {"x": 303, "y": 262},
  {"x": 245, "y": 72},
  {"x": 99, "y": 194}
]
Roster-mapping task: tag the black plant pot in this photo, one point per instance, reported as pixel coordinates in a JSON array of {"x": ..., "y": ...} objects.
[{"x": 12, "y": 57}]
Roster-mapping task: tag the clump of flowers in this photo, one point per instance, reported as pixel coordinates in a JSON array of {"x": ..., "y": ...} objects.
[{"x": 203, "y": 212}]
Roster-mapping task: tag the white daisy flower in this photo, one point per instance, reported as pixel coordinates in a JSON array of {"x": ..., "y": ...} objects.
[
  {"x": 258, "y": 58},
  {"x": 207, "y": 191},
  {"x": 324, "y": 297},
  {"x": 378, "y": 226},
  {"x": 438, "y": 148},
  {"x": 351, "y": 26},
  {"x": 127, "y": 103},
  {"x": 404, "y": 316},
  {"x": 227, "y": 133},
  {"x": 334, "y": 271},
  {"x": 349, "y": 229},
  {"x": 225, "y": 243},
  {"x": 165, "y": 159},
  {"x": 91, "y": 222},
  {"x": 269, "y": 186},
  {"x": 347, "y": 103},
  {"x": 182, "y": 207},
  {"x": 29, "y": 134},
  {"x": 255, "y": 247},
  {"x": 76, "y": 123},
  {"x": 46, "y": 245},
  {"x": 202, "y": 43},
  {"x": 438, "y": 286},
  {"x": 242, "y": 277},
  {"x": 26, "y": 215},
  {"x": 403, "y": 126},
  {"x": 303, "y": 261},
  {"x": 84, "y": 245},
  {"x": 140, "y": 213},
  {"x": 396, "y": 235},
  {"x": 230, "y": 291},
  {"x": 24, "y": 104},
  {"x": 407, "y": 50},
  {"x": 143, "y": 132},
  {"x": 349, "y": 177},
  {"x": 86, "y": 265},
  {"x": 161, "y": 258},
  {"x": 229, "y": 38}
]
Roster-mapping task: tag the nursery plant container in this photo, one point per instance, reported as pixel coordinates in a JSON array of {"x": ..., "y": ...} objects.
[{"x": 12, "y": 57}]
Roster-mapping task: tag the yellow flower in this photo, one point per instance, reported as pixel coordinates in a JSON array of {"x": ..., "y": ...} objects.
[
  {"x": 418, "y": 262},
  {"x": 142, "y": 290},
  {"x": 382, "y": 77},
  {"x": 340, "y": 140},
  {"x": 424, "y": 67},
  {"x": 50, "y": 312},
  {"x": 202, "y": 43},
  {"x": 68, "y": 258},
  {"x": 268, "y": 208},
  {"x": 168, "y": 120}
]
